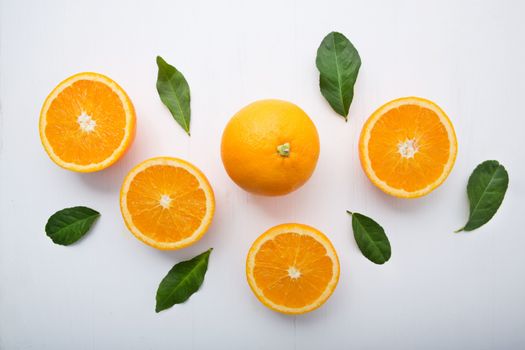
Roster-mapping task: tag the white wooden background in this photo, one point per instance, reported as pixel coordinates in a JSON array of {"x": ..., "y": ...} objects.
[{"x": 438, "y": 291}]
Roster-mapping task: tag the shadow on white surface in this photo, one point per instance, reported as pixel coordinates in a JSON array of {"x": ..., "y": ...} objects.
[{"x": 110, "y": 179}]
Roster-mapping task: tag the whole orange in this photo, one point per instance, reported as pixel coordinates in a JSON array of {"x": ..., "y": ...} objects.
[{"x": 270, "y": 147}]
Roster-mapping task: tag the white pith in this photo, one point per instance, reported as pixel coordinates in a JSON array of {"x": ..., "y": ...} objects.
[
  {"x": 408, "y": 148},
  {"x": 294, "y": 273},
  {"x": 86, "y": 122},
  {"x": 165, "y": 201}
]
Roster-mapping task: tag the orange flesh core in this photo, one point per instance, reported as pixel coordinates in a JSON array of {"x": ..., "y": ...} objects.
[
  {"x": 292, "y": 269},
  {"x": 409, "y": 147},
  {"x": 97, "y": 103},
  {"x": 166, "y": 203}
]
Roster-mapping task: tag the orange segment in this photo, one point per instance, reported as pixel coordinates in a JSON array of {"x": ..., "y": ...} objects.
[
  {"x": 292, "y": 268},
  {"x": 87, "y": 122},
  {"x": 167, "y": 203},
  {"x": 408, "y": 147}
]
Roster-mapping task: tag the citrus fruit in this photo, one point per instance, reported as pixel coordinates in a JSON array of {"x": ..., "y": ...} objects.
[
  {"x": 167, "y": 203},
  {"x": 292, "y": 268},
  {"x": 87, "y": 122},
  {"x": 408, "y": 147},
  {"x": 270, "y": 147}
]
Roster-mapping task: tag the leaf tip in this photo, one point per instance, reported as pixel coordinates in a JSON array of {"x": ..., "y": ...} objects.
[
  {"x": 333, "y": 33},
  {"x": 349, "y": 212},
  {"x": 159, "y": 307},
  {"x": 459, "y": 230},
  {"x": 161, "y": 62}
]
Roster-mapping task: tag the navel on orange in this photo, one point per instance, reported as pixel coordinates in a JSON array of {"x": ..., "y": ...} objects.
[
  {"x": 87, "y": 122},
  {"x": 270, "y": 147},
  {"x": 292, "y": 268},
  {"x": 167, "y": 203},
  {"x": 408, "y": 147}
]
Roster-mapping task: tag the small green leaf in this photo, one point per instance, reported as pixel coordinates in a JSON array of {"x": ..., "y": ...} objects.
[
  {"x": 174, "y": 92},
  {"x": 184, "y": 279},
  {"x": 338, "y": 63},
  {"x": 485, "y": 189},
  {"x": 68, "y": 225},
  {"x": 370, "y": 238}
]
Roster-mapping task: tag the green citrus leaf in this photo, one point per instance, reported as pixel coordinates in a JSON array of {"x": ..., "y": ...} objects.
[
  {"x": 174, "y": 92},
  {"x": 370, "y": 238},
  {"x": 338, "y": 63},
  {"x": 68, "y": 225},
  {"x": 184, "y": 279},
  {"x": 485, "y": 189}
]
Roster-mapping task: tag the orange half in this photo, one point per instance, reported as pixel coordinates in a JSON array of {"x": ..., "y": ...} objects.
[
  {"x": 408, "y": 147},
  {"x": 292, "y": 268},
  {"x": 167, "y": 203},
  {"x": 87, "y": 122}
]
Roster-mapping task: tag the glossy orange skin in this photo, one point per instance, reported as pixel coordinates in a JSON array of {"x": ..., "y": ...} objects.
[{"x": 249, "y": 147}]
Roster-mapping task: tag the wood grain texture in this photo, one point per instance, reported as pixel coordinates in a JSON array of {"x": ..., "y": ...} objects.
[{"x": 438, "y": 291}]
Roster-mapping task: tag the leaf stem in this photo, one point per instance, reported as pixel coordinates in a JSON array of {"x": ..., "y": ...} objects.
[
  {"x": 284, "y": 149},
  {"x": 349, "y": 212}
]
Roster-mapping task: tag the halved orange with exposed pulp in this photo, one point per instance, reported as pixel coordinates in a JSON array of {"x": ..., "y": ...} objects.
[
  {"x": 408, "y": 147},
  {"x": 87, "y": 122},
  {"x": 292, "y": 268},
  {"x": 167, "y": 203}
]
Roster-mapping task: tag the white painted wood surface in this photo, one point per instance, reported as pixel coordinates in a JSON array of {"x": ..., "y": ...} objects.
[{"x": 439, "y": 290}]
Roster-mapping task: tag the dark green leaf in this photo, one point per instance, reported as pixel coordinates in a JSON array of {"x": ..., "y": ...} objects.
[
  {"x": 486, "y": 189},
  {"x": 370, "y": 238},
  {"x": 184, "y": 279},
  {"x": 69, "y": 225},
  {"x": 338, "y": 62},
  {"x": 174, "y": 92}
]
